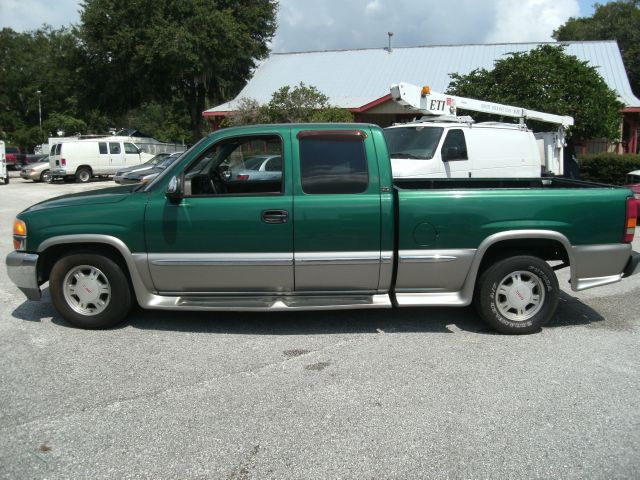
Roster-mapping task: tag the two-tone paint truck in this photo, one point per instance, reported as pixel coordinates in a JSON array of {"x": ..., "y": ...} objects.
[{"x": 333, "y": 231}]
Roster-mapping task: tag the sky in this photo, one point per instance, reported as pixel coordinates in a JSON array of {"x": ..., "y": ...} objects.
[{"x": 338, "y": 24}]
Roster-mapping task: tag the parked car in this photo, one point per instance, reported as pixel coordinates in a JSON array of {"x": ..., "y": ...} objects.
[
  {"x": 633, "y": 182},
  {"x": 38, "y": 172},
  {"x": 14, "y": 158},
  {"x": 138, "y": 168},
  {"x": 262, "y": 167},
  {"x": 149, "y": 174}
]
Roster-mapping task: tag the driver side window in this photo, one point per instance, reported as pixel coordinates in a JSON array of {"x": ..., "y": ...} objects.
[{"x": 237, "y": 166}]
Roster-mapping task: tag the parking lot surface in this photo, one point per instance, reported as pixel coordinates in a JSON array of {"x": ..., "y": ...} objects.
[{"x": 398, "y": 394}]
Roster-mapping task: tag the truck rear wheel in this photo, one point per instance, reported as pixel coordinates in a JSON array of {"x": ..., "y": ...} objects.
[
  {"x": 90, "y": 291},
  {"x": 83, "y": 175},
  {"x": 517, "y": 295}
]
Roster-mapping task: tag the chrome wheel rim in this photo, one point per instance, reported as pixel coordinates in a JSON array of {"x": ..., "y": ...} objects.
[
  {"x": 84, "y": 176},
  {"x": 520, "y": 295},
  {"x": 86, "y": 290}
]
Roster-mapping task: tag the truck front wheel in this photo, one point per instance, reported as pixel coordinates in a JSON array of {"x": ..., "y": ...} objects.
[
  {"x": 517, "y": 295},
  {"x": 90, "y": 291}
]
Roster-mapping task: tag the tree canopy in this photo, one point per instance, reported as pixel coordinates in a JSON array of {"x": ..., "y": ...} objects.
[
  {"x": 194, "y": 50},
  {"x": 299, "y": 104},
  {"x": 619, "y": 20},
  {"x": 548, "y": 80}
]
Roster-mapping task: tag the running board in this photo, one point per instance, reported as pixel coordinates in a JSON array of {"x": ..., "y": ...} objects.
[{"x": 267, "y": 303}]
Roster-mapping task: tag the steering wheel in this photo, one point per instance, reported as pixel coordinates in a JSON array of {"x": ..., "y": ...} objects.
[{"x": 216, "y": 182}]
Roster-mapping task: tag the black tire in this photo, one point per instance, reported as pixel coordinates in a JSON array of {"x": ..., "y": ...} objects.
[
  {"x": 115, "y": 305},
  {"x": 83, "y": 175},
  {"x": 45, "y": 176},
  {"x": 517, "y": 295},
  {"x": 6, "y": 179}
]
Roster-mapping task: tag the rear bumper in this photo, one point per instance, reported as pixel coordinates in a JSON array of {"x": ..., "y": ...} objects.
[
  {"x": 22, "y": 270},
  {"x": 633, "y": 265},
  {"x": 58, "y": 173}
]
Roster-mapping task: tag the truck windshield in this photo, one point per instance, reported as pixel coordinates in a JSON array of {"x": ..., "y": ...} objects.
[{"x": 413, "y": 141}]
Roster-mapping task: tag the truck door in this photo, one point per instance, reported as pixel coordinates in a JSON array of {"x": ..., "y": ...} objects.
[
  {"x": 225, "y": 236},
  {"x": 337, "y": 211}
]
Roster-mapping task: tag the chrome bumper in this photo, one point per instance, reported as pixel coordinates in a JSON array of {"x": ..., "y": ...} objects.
[
  {"x": 58, "y": 172},
  {"x": 22, "y": 271}
]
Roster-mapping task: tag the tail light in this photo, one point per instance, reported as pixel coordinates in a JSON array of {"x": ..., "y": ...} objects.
[
  {"x": 632, "y": 218},
  {"x": 242, "y": 177},
  {"x": 63, "y": 162}
]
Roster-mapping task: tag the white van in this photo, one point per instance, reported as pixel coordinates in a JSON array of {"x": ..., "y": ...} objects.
[
  {"x": 84, "y": 159},
  {"x": 4, "y": 174},
  {"x": 459, "y": 149}
]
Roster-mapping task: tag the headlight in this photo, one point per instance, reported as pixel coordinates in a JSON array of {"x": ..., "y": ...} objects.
[{"x": 19, "y": 235}]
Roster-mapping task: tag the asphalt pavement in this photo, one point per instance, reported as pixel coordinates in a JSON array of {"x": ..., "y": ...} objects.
[{"x": 397, "y": 394}]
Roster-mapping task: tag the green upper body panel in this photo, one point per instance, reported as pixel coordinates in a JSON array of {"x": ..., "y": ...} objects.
[{"x": 146, "y": 220}]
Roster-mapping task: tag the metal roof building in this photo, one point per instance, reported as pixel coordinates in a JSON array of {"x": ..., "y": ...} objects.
[{"x": 359, "y": 80}]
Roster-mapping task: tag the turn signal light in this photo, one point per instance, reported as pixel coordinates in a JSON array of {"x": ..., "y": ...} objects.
[
  {"x": 19, "y": 235},
  {"x": 19, "y": 228},
  {"x": 632, "y": 219}
]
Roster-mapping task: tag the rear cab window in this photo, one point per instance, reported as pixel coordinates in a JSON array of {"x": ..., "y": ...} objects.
[{"x": 333, "y": 162}]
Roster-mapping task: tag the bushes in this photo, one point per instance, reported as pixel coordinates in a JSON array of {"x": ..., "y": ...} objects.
[{"x": 607, "y": 167}]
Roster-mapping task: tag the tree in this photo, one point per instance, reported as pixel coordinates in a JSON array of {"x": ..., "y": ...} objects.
[
  {"x": 619, "y": 20},
  {"x": 199, "y": 50},
  {"x": 289, "y": 105},
  {"x": 36, "y": 66},
  {"x": 548, "y": 80}
]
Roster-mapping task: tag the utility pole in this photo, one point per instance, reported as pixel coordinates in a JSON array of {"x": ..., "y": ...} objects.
[
  {"x": 39, "y": 93},
  {"x": 390, "y": 34}
]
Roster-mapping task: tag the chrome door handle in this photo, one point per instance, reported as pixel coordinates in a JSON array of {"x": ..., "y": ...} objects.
[{"x": 275, "y": 216}]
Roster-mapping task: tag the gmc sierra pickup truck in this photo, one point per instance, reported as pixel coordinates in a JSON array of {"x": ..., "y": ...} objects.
[{"x": 331, "y": 230}]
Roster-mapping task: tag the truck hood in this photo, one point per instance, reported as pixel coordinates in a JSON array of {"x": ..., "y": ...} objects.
[{"x": 95, "y": 197}]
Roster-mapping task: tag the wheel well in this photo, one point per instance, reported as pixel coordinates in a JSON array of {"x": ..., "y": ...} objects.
[
  {"x": 52, "y": 254},
  {"x": 85, "y": 167},
  {"x": 543, "y": 248}
]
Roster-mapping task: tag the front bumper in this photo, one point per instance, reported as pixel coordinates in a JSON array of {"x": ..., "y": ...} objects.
[{"x": 22, "y": 270}]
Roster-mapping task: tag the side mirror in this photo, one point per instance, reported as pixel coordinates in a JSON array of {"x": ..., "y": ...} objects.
[
  {"x": 450, "y": 153},
  {"x": 175, "y": 188}
]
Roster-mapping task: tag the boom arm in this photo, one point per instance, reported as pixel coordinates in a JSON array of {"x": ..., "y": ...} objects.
[{"x": 434, "y": 103}]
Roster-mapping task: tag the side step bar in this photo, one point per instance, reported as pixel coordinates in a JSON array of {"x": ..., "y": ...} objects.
[{"x": 268, "y": 303}]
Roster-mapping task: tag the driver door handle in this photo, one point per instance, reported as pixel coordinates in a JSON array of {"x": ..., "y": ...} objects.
[{"x": 275, "y": 216}]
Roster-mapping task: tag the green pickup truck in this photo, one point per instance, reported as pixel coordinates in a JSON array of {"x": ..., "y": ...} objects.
[{"x": 328, "y": 228}]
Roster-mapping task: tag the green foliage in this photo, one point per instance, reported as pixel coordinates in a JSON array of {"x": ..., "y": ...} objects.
[
  {"x": 33, "y": 62},
  {"x": 548, "y": 80},
  {"x": 619, "y": 20},
  {"x": 65, "y": 123},
  {"x": 160, "y": 121},
  {"x": 299, "y": 104},
  {"x": 607, "y": 167},
  {"x": 194, "y": 50}
]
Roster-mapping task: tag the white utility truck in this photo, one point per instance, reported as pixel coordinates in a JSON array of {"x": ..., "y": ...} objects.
[{"x": 444, "y": 145}]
